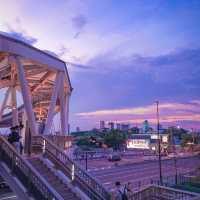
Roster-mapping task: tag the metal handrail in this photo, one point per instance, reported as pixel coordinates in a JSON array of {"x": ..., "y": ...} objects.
[
  {"x": 88, "y": 183},
  {"x": 22, "y": 166},
  {"x": 159, "y": 191}
]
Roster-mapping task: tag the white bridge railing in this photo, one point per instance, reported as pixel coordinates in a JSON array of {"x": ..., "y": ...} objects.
[
  {"x": 30, "y": 178},
  {"x": 79, "y": 176},
  {"x": 160, "y": 192}
]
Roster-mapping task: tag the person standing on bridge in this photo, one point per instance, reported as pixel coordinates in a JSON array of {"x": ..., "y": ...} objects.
[
  {"x": 14, "y": 138},
  {"x": 120, "y": 192},
  {"x": 20, "y": 127},
  {"x": 129, "y": 191}
]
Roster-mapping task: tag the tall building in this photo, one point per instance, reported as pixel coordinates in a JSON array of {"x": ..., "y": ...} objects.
[
  {"x": 124, "y": 127},
  {"x": 77, "y": 129},
  {"x": 111, "y": 125},
  {"x": 145, "y": 126},
  {"x": 102, "y": 125},
  {"x": 118, "y": 126}
]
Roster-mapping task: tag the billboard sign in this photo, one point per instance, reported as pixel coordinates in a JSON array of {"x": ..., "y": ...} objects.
[{"x": 138, "y": 144}]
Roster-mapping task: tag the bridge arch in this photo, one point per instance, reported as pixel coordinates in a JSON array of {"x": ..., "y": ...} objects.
[{"x": 43, "y": 82}]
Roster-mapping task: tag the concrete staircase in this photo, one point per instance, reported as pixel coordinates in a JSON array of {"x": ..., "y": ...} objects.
[
  {"x": 5, "y": 191},
  {"x": 55, "y": 182}
]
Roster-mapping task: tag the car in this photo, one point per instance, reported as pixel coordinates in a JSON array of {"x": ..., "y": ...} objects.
[{"x": 114, "y": 157}]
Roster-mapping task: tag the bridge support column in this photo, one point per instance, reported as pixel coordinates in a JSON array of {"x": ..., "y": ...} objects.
[
  {"x": 14, "y": 107},
  {"x": 11, "y": 61},
  {"x": 67, "y": 111},
  {"x": 26, "y": 96},
  {"x": 62, "y": 108},
  {"x": 54, "y": 96},
  {"x": 4, "y": 103}
]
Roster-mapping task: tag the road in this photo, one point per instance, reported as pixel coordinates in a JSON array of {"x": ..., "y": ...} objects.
[{"x": 140, "y": 173}]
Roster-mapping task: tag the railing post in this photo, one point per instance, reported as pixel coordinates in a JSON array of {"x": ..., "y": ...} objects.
[
  {"x": 113, "y": 196},
  {"x": 1, "y": 151},
  {"x": 12, "y": 163},
  {"x": 44, "y": 146},
  {"x": 29, "y": 182},
  {"x": 73, "y": 173},
  {"x": 29, "y": 142}
]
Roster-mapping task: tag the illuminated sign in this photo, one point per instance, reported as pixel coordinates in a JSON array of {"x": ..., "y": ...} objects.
[
  {"x": 164, "y": 138},
  {"x": 153, "y": 136},
  {"x": 137, "y": 144}
]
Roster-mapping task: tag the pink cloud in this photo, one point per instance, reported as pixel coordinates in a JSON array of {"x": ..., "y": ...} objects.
[{"x": 170, "y": 113}]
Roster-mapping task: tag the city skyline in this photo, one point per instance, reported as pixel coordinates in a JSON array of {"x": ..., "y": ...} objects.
[{"x": 122, "y": 61}]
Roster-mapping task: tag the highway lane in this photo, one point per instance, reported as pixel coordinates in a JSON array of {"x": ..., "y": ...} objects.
[
  {"x": 145, "y": 165},
  {"x": 142, "y": 173}
]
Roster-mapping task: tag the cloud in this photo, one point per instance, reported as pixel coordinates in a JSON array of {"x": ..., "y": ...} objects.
[
  {"x": 79, "y": 22},
  {"x": 52, "y": 53},
  {"x": 119, "y": 87},
  {"x": 175, "y": 74},
  {"x": 63, "y": 50},
  {"x": 169, "y": 113},
  {"x": 60, "y": 53},
  {"x": 79, "y": 66},
  {"x": 22, "y": 36},
  {"x": 17, "y": 31},
  {"x": 166, "y": 107},
  {"x": 181, "y": 61}
]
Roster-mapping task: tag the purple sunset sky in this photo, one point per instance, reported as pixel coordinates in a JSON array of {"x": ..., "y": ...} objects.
[{"x": 121, "y": 55}]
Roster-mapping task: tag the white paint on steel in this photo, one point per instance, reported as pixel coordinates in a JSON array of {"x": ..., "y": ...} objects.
[
  {"x": 26, "y": 96},
  {"x": 53, "y": 103}
]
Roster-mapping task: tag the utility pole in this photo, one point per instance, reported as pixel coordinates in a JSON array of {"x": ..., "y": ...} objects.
[
  {"x": 159, "y": 146},
  {"x": 175, "y": 159},
  {"x": 86, "y": 160}
]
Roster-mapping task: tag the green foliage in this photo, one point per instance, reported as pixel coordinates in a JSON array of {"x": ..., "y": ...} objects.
[
  {"x": 83, "y": 141},
  {"x": 88, "y": 142},
  {"x": 135, "y": 130},
  {"x": 188, "y": 138},
  {"x": 114, "y": 139},
  {"x": 179, "y": 132}
]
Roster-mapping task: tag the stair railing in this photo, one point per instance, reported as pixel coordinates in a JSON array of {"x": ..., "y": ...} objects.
[
  {"x": 35, "y": 184},
  {"x": 79, "y": 176}
]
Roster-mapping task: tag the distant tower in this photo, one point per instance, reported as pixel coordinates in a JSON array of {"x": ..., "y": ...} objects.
[
  {"x": 145, "y": 126},
  {"x": 111, "y": 125},
  {"x": 69, "y": 128},
  {"x": 118, "y": 126},
  {"x": 102, "y": 125},
  {"x": 77, "y": 129},
  {"x": 124, "y": 127}
]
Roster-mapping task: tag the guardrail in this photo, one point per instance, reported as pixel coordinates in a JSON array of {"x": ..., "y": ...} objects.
[
  {"x": 175, "y": 180},
  {"x": 29, "y": 177},
  {"x": 168, "y": 181},
  {"x": 161, "y": 192},
  {"x": 79, "y": 176}
]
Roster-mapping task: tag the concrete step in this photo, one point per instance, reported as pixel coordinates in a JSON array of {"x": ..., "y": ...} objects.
[{"x": 52, "y": 179}]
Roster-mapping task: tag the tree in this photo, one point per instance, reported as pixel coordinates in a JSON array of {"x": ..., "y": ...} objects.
[
  {"x": 115, "y": 139},
  {"x": 83, "y": 141},
  {"x": 135, "y": 130},
  {"x": 188, "y": 138}
]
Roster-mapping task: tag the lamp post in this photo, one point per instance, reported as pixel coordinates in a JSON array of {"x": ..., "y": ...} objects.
[
  {"x": 175, "y": 159},
  {"x": 86, "y": 160},
  {"x": 159, "y": 146}
]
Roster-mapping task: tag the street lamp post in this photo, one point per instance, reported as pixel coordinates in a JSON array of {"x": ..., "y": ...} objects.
[
  {"x": 86, "y": 160},
  {"x": 159, "y": 146},
  {"x": 175, "y": 159},
  {"x": 176, "y": 172}
]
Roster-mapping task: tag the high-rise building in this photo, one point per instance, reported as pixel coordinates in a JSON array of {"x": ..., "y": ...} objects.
[
  {"x": 102, "y": 125},
  {"x": 77, "y": 129},
  {"x": 124, "y": 127},
  {"x": 111, "y": 125},
  {"x": 118, "y": 126},
  {"x": 145, "y": 126}
]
